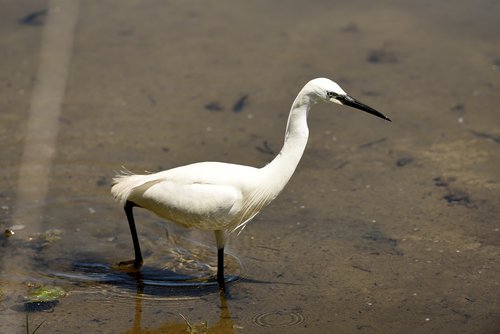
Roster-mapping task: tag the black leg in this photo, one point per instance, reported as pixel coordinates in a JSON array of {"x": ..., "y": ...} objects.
[
  {"x": 129, "y": 206},
  {"x": 220, "y": 268}
]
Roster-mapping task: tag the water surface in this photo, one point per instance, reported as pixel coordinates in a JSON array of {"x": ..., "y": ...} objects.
[{"x": 385, "y": 227}]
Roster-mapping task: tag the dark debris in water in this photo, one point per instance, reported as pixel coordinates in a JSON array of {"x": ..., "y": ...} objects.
[
  {"x": 459, "y": 197},
  {"x": 350, "y": 28},
  {"x": 102, "y": 181},
  {"x": 364, "y": 327},
  {"x": 237, "y": 107},
  {"x": 443, "y": 182},
  {"x": 265, "y": 148},
  {"x": 379, "y": 242},
  {"x": 458, "y": 108},
  {"x": 40, "y": 306},
  {"x": 240, "y": 104},
  {"x": 34, "y": 19},
  {"x": 366, "y": 270},
  {"x": 382, "y": 56},
  {"x": 373, "y": 143},
  {"x": 213, "y": 106},
  {"x": 401, "y": 162},
  {"x": 378, "y": 236},
  {"x": 341, "y": 164},
  {"x": 454, "y": 196},
  {"x": 484, "y": 135}
]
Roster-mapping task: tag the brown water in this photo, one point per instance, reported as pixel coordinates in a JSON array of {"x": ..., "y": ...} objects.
[{"x": 385, "y": 227}]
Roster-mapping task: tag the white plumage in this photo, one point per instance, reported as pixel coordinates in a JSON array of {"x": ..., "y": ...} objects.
[
  {"x": 222, "y": 197},
  {"x": 207, "y": 195}
]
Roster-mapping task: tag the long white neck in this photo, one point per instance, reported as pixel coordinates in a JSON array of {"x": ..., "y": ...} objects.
[{"x": 280, "y": 170}]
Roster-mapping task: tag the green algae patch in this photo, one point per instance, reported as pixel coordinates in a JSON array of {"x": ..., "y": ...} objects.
[{"x": 44, "y": 294}]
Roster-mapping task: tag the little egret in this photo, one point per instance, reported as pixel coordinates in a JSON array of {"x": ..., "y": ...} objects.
[{"x": 223, "y": 197}]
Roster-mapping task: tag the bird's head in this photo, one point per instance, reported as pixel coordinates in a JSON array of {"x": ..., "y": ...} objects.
[{"x": 326, "y": 90}]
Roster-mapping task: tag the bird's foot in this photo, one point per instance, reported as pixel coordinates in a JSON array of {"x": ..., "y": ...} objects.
[{"x": 129, "y": 266}]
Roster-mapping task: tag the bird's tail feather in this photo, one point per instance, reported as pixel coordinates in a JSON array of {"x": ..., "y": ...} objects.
[{"x": 123, "y": 184}]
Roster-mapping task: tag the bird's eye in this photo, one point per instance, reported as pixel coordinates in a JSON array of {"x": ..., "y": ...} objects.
[{"x": 331, "y": 94}]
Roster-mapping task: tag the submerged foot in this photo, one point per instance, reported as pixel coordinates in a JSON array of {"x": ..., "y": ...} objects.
[{"x": 129, "y": 266}]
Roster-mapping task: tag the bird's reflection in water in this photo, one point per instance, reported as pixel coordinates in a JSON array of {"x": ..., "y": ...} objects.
[{"x": 224, "y": 325}]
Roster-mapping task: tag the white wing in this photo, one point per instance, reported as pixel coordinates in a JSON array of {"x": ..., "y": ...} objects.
[
  {"x": 205, "y": 195},
  {"x": 203, "y": 206}
]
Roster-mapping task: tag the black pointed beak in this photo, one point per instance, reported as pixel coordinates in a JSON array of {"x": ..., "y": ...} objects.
[{"x": 352, "y": 102}]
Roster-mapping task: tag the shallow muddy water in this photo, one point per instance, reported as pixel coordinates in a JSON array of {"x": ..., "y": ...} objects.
[{"x": 385, "y": 227}]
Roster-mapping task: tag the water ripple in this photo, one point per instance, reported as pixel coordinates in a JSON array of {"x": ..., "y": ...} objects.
[{"x": 278, "y": 319}]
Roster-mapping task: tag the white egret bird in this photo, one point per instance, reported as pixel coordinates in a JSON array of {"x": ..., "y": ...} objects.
[{"x": 223, "y": 197}]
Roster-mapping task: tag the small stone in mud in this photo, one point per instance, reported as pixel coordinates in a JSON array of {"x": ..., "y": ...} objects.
[
  {"x": 214, "y": 106},
  {"x": 404, "y": 161}
]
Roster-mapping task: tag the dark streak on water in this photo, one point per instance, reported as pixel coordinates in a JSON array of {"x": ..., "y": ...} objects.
[
  {"x": 213, "y": 106},
  {"x": 240, "y": 104},
  {"x": 373, "y": 143},
  {"x": 34, "y": 19},
  {"x": 404, "y": 161},
  {"x": 490, "y": 136}
]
